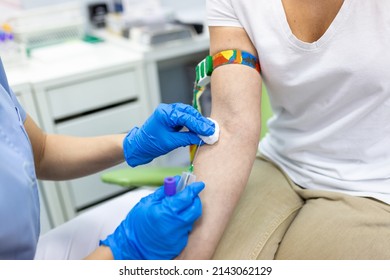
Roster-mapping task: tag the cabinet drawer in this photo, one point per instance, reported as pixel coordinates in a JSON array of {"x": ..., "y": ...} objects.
[
  {"x": 89, "y": 190},
  {"x": 119, "y": 119},
  {"x": 92, "y": 94}
]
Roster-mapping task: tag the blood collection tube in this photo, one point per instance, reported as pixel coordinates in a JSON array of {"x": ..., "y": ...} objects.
[
  {"x": 186, "y": 179},
  {"x": 169, "y": 186}
]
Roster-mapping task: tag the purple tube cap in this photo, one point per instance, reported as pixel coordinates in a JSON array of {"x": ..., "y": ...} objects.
[{"x": 169, "y": 186}]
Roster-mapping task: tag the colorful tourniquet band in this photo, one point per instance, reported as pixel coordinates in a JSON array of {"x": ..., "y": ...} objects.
[
  {"x": 205, "y": 68},
  {"x": 235, "y": 57}
]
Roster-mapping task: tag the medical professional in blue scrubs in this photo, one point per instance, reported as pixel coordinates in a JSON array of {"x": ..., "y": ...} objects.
[{"x": 156, "y": 228}]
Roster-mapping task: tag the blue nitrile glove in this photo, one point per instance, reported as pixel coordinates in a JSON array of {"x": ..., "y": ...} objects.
[
  {"x": 158, "y": 226},
  {"x": 161, "y": 133}
]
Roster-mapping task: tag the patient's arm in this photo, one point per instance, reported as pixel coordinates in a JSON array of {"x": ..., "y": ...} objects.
[{"x": 225, "y": 166}]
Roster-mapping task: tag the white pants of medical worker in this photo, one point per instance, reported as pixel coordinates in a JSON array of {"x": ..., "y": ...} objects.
[{"x": 80, "y": 236}]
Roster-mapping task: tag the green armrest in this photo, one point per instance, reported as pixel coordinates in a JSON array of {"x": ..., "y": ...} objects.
[
  {"x": 141, "y": 176},
  {"x": 266, "y": 112}
]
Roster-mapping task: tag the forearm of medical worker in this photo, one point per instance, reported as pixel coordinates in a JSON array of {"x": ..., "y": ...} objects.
[
  {"x": 59, "y": 157},
  {"x": 226, "y": 165}
]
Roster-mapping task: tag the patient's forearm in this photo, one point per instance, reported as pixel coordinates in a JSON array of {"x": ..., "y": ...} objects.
[
  {"x": 225, "y": 174},
  {"x": 225, "y": 166}
]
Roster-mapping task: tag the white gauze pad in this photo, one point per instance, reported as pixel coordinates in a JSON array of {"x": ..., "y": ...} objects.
[{"x": 210, "y": 140}]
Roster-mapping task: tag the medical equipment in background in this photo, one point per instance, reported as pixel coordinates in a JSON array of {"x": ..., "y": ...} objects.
[
  {"x": 135, "y": 14},
  {"x": 11, "y": 52},
  {"x": 155, "y": 35},
  {"x": 48, "y": 25},
  {"x": 146, "y": 12},
  {"x": 148, "y": 23},
  {"x": 97, "y": 13}
]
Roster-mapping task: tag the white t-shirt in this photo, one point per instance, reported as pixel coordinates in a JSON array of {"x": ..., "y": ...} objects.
[{"x": 330, "y": 98}]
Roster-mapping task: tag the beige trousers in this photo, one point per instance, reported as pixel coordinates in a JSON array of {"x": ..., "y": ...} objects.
[{"x": 276, "y": 219}]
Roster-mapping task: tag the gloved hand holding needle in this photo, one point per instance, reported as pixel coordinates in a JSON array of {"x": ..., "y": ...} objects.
[{"x": 158, "y": 226}]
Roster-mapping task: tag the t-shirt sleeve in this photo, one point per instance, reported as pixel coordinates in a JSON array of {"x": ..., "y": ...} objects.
[{"x": 221, "y": 13}]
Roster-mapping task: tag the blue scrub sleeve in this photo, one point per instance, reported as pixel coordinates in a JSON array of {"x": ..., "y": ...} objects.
[
  {"x": 5, "y": 85},
  {"x": 19, "y": 198},
  {"x": 22, "y": 112}
]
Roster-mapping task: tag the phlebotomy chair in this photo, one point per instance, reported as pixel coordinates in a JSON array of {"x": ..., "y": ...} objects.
[{"x": 154, "y": 176}]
